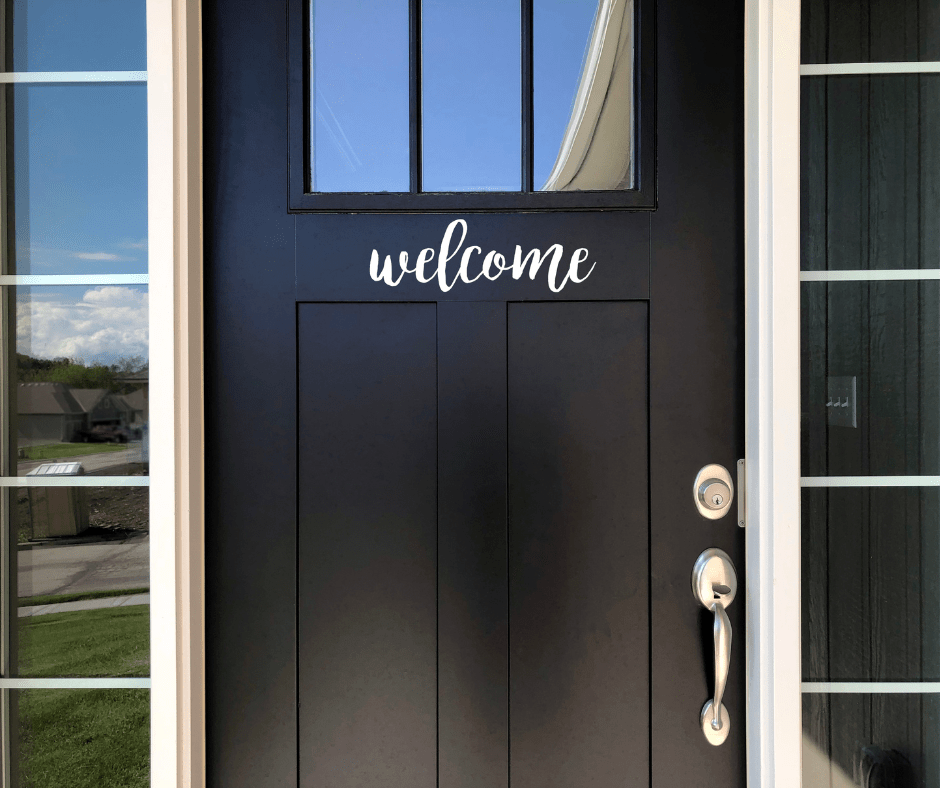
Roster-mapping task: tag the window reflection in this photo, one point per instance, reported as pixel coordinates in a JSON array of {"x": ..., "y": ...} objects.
[
  {"x": 96, "y": 738},
  {"x": 359, "y": 123},
  {"x": 470, "y": 113},
  {"x": 64, "y": 35},
  {"x": 80, "y": 188},
  {"x": 82, "y": 393},
  {"x": 885, "y": 335},
  {"x": 592, "y": 148},
  {"x": 871, "y": 740},
  {"x": 83, "y": 581},
  {"x": 471, "y": 83}
]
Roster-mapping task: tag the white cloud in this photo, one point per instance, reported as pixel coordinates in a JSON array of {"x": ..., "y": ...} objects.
[
  {"x": 141, "y": 244},
  {"x": 106, "y": 323},
  {"x": 101, "y": 256}
]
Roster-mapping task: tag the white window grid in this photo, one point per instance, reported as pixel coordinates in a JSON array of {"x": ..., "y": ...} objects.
[
  {"x": 862, "y": 275},
  {"x": 8, "y": 593}
]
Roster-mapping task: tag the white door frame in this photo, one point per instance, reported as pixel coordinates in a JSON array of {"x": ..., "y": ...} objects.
[
  {"x": 177, "y": 645},
  {"x": 772, "y": 55},
  {"x": 772, "y": 397}
]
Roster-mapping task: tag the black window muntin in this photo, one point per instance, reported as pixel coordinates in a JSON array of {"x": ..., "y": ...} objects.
[{"x": 302, "y": 200}]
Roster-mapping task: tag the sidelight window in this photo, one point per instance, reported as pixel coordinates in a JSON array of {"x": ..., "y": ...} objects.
[
  {"x": 75, "y": 617},
  {"x": 870, "y": 304},
  {"x": 441, "y": 104}
]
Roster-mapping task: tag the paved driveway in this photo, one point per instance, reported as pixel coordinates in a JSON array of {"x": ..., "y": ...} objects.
[
  {"x": 102, "y": 566},
  {"x": 98, "y": 463}
]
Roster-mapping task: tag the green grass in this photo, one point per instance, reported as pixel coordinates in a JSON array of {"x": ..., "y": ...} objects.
[
  {"x": 52, "y": 599},
  {"x": 58, "y": 451},
  {"x": 85, "y": 738},
  {"x": 112, "y": 641}
]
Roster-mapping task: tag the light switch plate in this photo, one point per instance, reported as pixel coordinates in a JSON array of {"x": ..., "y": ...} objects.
[{"x": 840, "y": 404}]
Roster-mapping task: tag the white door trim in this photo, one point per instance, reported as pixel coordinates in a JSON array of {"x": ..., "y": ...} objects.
[
  {"x": 772, "y": 373},
  {"x": 177, "y": 645},
  {"x": 772, "y": 106}
]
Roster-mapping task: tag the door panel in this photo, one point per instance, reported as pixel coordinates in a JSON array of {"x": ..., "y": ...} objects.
[
  {"x": 366, "y": 549},
  {"x": 578, "y": 546},
  {"x": 397, "y": 407},
  {"x": 473, "y": 585}
]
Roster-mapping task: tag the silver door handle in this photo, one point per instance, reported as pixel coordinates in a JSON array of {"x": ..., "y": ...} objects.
[
  {"x": 714, "y": 584},
  {"x": 722, "y": 662}
]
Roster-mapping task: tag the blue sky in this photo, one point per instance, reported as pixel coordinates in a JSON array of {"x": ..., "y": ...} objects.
[
  {"x": 91, "y": 35},
  {"x": 471, "y": 105},
  {"x": 96, "y": 324},
  {"x": 81, "y": 152},
  {"x": 561, "y": 29},
  {"x": 80, "y": 177},
  {"x": 471, "y": 83}
]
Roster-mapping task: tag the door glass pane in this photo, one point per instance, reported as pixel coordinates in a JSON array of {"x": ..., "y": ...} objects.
[
  {"x": 584, "y": 94},
  {"x": 871, "y": 740},
  {"x": 871, "y": 172},
  {"x": 80, "y": 183},
  {"x": 871, "y": 584},
  {"x": 65, "y": 35},
  {"x": 471, "y": 95},
  {"x": 82, "y": 393},
  {"x": 74, "y": 394},
  {"x": 870, "y": 31},
  {"x": 871, "y": 378},
  {"x": 870, "y": 391},
  {"x": 82, "y": 738},
  {"x": 359, "y": 108},
  {"x": 83, "y": 581}
]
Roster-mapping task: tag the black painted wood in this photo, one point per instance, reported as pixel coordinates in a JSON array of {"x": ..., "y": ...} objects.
[
  {"x": 473, "y": 592},
  {"x": 696, "y": 375},
  {"x": 251, "y": 736},
  {"x": 683, "y": 263},
  {"x": 334, "y": 250},
  {"x": 870, "y": 31},
  {"x": 578, "y": 544},
  {"x": 367, "y": 544}
]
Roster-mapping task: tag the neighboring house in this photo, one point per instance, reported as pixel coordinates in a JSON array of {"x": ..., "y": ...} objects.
[
  {"x": 54, "y": 412},
  {"x": 103, "y": 407},
  {"x": 136, "y": 403},
  {"x": 47, "y": 413},
  {"x": 139, "y": 399}
]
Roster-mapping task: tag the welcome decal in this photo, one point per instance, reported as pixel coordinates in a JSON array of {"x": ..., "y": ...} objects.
[{"x": 491, "y": 265}]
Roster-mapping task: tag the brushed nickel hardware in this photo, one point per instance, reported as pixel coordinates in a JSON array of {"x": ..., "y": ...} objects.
[
  {"x": 713, "y": 491},
  {"x": 714, "y": 585}
]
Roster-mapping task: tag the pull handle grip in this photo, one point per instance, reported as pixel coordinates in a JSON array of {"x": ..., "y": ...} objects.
[
  {"x": 722, "y": 662},
  {"x": 714, "y": 583}
]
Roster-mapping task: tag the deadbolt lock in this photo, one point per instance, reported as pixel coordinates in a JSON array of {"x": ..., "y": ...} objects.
[{"x": 713, "y": 491}]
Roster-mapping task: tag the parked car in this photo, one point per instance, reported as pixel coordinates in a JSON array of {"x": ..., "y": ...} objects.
[{"x": 102, "y": 433}]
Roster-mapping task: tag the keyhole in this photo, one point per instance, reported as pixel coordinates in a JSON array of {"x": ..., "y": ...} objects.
[{"x": 717, "y": 500}]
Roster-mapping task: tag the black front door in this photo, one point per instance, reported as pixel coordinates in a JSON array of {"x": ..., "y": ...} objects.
[{"x": 450, "y": 515}]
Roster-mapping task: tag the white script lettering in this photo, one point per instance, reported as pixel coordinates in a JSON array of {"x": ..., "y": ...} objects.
[{"x": 493, "y": 265}]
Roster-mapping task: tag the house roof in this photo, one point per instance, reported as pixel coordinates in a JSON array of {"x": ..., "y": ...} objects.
[
  {"x": 89, "y": 398},
  {"x": 136, "y": 400},
  {"x": 47, "y": 398},
  {"x": 93, "y": 399}
]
